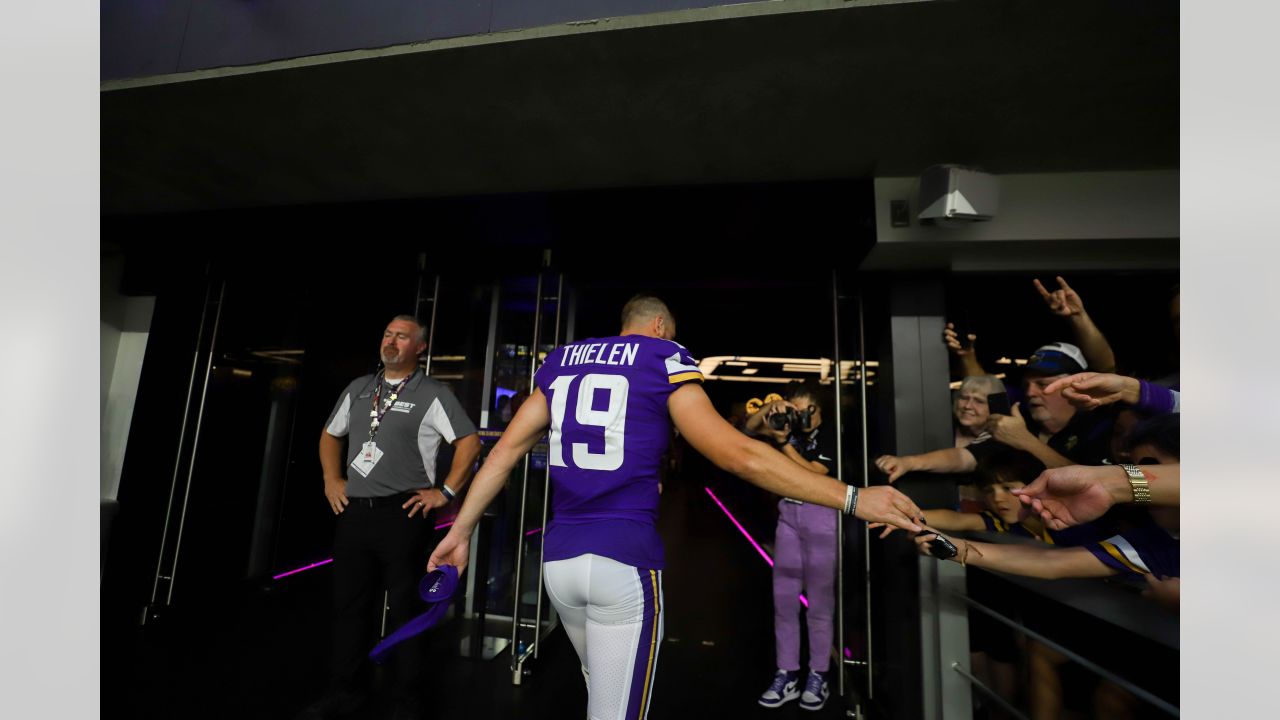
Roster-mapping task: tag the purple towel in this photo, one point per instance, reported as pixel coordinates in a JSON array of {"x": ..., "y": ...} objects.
[{"x": 436, "y": 588}]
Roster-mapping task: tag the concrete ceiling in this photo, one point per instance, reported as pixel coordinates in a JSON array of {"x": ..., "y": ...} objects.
[{"x": 851, "y": 92}]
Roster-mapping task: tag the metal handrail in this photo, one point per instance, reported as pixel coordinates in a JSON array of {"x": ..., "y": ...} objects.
[
  {"x": 1088, "y": 664},
  {"x": 988, "y": 691}
]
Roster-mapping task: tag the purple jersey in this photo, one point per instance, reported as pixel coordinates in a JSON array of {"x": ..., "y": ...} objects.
[
  {"x": 609, "y": 430},
  {"x": 1146, "y": 548}
]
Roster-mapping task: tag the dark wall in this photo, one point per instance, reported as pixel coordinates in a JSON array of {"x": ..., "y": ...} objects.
[
  {"x": 325, "y": 280},
  {"x": 1131, "y": 308},
  {"x": 254, "y": 504},
  {"x": 152, "y": 37}
]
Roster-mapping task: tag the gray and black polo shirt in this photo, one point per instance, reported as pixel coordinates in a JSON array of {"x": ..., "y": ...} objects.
[{"x": 409, "y": 434}]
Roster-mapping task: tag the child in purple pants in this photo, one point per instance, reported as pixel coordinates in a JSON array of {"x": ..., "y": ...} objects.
[
  {"x": 804, "y": 561},
  {"x": 804, "y": 549}
]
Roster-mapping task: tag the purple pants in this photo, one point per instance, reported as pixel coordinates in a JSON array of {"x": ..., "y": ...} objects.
[{"x": 804, "y": 560}]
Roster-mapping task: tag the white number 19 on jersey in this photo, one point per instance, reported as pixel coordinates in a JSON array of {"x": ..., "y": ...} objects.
[{"x": 613, "y": 419}]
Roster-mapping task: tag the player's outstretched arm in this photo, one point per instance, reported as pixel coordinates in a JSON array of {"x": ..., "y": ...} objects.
[{"x": 761, "y": 465}]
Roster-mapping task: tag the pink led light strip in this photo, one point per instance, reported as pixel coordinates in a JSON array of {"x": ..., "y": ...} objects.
[
  {"x": 326, "y": 561},
  {"x": 803, "y": 600}
]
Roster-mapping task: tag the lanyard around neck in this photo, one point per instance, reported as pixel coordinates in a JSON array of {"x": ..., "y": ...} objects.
[{"x": 378, "y": 412}]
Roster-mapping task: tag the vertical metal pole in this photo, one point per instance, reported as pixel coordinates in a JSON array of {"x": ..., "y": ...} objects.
[
  {"x": 417, "y": 293},
  {"x": 195, "y": 443},
  {"x": 572, "y": 317},
  {"x": 546, "y": 497},
  {"x": 866, "y": 482},
  {"x": 431, "y": 330},
  {"x": 482, "y": 569},
  {"x": 839, "y": 417},
  {"x": 516, "y": 656},
  {"x": 555, "y": 338},
  {"x": 431, "y": 336},
  {"x": 182, "y": 437},
  {"x": 490, "y": 349}
]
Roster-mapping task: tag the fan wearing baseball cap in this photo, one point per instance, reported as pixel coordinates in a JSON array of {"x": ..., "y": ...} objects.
[
  {"x": 1054, "y": 430},
  {"x": 1057, "y": 358},
  {"x": 1045, "y": 425},
  {"x": 1082, "y": 436}
]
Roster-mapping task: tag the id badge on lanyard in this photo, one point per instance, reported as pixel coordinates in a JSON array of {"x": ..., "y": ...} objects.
[
  {"x": 368, "y": 456},
  {"x": 370, "y": 453}
]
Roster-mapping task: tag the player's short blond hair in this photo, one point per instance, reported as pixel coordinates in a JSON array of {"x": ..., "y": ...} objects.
[{"x": 642, "y": 308}]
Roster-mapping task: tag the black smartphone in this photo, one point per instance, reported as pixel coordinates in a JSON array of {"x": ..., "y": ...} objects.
[
  {"x": 998, "y": 403},
  {"x": 942, "y": 548}
]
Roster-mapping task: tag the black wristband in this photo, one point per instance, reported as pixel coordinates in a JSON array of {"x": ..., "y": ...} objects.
[{"x": 850, "y": 500}]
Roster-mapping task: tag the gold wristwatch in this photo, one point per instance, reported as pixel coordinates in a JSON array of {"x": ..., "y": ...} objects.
[{"x": 1138, "y": 483}]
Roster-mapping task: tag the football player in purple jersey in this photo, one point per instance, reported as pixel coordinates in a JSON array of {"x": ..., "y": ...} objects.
[{"x": 610, "y": 403}]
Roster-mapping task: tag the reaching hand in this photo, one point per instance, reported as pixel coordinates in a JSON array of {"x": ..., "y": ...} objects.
[
  {"x": 1072, "y": 495},
  {"x": 888, "y": 529},
  {"x": 1089, "y": 390},
  {"x": 1064, "y": 301},
  {"x": 1164, "y": 591},
  {"x": 883, "y": 504},
  {"x": 893, "y": 466},
  {"x": 922, "y": 542},
  {"x": 952, "y": 338}
]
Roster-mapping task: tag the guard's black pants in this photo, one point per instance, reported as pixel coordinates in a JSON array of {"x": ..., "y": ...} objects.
[{"x": 377, "y": 547}]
